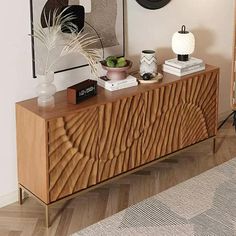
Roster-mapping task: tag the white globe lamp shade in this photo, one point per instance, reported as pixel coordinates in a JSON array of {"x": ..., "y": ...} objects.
[{"x": 183, "y": 44}]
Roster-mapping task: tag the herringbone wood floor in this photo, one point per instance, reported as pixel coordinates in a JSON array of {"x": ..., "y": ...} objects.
[{"x": 92, "y": 207}]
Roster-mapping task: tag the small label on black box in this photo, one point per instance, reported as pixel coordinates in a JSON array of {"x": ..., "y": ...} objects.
[{"x": 86, "y": 93}]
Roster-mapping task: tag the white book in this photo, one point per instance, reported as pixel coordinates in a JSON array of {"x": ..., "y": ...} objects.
[
  {"x": 118, "y": 87},
  {"x": 184, "y": 70},
  {"x": 110, "y": 83},
  {"x": 184, "y": 64},
  {"x": 170, "y": 71}
]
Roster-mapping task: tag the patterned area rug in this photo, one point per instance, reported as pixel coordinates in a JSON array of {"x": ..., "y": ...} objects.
[{"x": 204, "y": 205}]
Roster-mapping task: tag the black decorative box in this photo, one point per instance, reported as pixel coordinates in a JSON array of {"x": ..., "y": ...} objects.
[{"x": 81, "y": 91}]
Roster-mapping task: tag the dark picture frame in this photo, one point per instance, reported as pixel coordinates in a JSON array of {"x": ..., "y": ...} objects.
[
  {"x": 118, "y": 50},
  {"x": 153, "y": 4}
]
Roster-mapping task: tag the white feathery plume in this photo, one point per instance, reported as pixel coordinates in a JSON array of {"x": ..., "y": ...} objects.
[{"x": 76, "y": 43}]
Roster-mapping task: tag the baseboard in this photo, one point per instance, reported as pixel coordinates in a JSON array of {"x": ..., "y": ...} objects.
[{"x": 8, "y": 199}]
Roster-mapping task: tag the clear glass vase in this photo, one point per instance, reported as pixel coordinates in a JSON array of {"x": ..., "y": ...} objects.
[{"x": 46, "y": 90}]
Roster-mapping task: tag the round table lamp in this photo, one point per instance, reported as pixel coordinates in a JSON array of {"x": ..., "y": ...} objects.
[{"x": 183, "y": 44}]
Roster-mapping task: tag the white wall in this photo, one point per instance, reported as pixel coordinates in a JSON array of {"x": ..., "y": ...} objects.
[{"x": 211, "y": 21}]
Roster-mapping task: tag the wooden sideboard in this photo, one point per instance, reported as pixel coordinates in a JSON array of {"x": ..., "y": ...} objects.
[{"x": 73, "y": 148}]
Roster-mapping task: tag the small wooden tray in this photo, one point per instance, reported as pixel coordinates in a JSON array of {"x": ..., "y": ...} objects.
[{"x": 157, "y": 79}]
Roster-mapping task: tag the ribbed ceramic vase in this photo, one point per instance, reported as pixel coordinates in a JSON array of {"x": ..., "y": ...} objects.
[
  {"x": 46, "y": 90},
  {"x": 148, "y": 62}
]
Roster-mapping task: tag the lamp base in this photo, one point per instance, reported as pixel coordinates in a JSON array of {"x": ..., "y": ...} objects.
[{"x": 183, "y": 57}]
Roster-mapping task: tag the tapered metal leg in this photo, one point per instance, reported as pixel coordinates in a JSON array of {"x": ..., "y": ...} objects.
[
  {"x": 20, "y": 196},
  {"x": 214, "y": 146},
  {"x": 47, "y": 217}
]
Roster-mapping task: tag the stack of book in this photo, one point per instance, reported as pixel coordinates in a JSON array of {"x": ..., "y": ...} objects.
[
  {"x": 181, "y": 68},
  {"x": 110, "y": 85}
]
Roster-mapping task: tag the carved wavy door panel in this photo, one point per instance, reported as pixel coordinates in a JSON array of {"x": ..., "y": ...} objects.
[
  {"x": 120, "y": 136},
  {"x": 72, "y": 153},
  {"x": 199, "y": 120},
  {"x": 163, "y": 111},
  {"x": 179, "y": 115}
]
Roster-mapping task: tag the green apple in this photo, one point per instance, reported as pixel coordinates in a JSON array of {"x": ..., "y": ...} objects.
[
  {"x": 121, "y": 62},
  {"x": 111, "y": 61}
]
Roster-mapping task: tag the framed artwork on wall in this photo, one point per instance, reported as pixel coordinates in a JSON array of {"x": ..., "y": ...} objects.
[{"x": 100, "y": 18}]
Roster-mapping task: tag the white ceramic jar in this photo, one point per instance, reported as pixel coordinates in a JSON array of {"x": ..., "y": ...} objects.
[{"x": 148, "y": 62}]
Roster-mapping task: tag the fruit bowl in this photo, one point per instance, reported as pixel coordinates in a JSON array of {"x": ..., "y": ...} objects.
[{"x": 117, "y": 73}]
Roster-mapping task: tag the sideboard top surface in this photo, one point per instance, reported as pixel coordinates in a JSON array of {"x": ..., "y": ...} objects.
[{"x": 63, "y": 108}]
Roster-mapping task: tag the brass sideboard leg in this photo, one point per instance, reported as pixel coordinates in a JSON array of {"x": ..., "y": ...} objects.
[
  {"x": 47, "y": 216},
  {"x": 20, "y": 195},
  {"x": 214, "y": 146}
]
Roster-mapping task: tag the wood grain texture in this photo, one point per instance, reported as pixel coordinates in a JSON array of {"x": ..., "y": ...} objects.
[
  {"x": 162, "y": 128},
  {"x": 200, "y": 109},
  {"x": 141, "y": 129},
  {"x": 120, "y": 136},
  {"x": 180, "y": 115},
  {"x": 32, "y": 152},
  {"x": 73, "y": 162}
]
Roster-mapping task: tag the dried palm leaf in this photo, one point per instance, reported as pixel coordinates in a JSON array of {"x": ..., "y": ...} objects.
[{"x": 78, "y": 43}]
